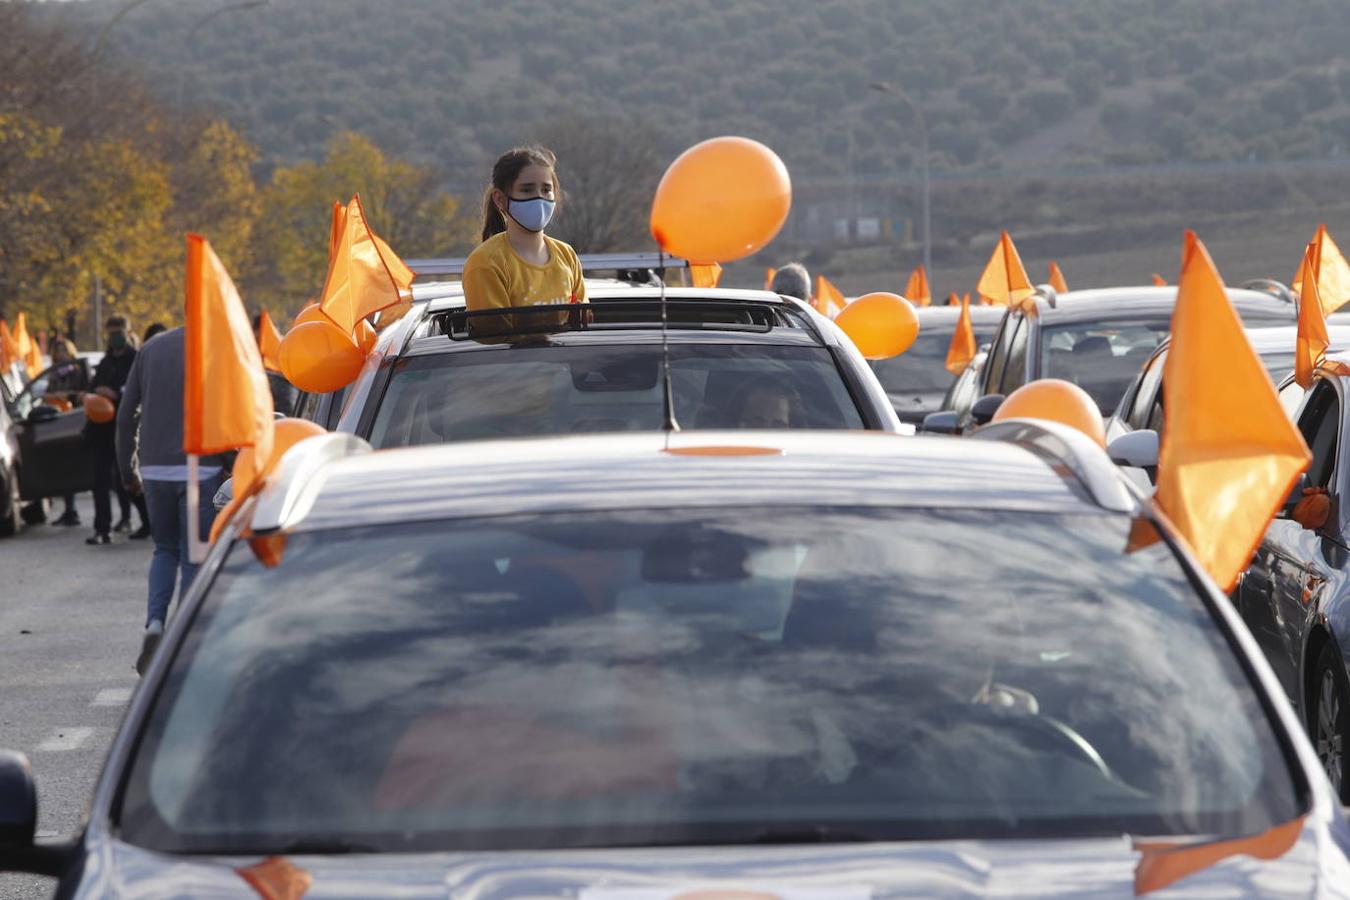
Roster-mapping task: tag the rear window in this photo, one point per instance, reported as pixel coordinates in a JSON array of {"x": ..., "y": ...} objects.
[
  {"x": 703, "y": 676},
  {"x": 500, "y": 392},
  {"x": 923, "y": 367},
  {"x": 1101, "y": 357}
]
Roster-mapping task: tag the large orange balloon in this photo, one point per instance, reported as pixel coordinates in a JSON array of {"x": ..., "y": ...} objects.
[
  {"x": 318, "y": 357},
  {"x": 721, "y": 200},
  {"x": 311, "y": 313},
  {"x": 365, "y": 337},
  {"x": 98, "y": 408},
  {"x": 285, "y": 435},
  {"x": 882, "y": 325},
  {"x": 1056, "y": 400}
]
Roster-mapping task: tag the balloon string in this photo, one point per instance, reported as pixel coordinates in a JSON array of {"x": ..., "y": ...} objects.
[{"x": 668, "y": 394}]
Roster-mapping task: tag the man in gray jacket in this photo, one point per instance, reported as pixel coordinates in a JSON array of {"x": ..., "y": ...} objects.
[{"x": 150, "y": 426}]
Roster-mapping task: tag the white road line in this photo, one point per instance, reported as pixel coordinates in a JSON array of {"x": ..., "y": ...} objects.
[
  {"x": 64, "y": 740},
  {"x": 112, "y": 697}
]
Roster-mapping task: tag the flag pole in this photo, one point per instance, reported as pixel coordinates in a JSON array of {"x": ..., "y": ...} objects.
[{"x": 196, "y": 548}]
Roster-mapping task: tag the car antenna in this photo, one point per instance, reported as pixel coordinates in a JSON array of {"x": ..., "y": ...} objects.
[{"x": 668, "y": 395}]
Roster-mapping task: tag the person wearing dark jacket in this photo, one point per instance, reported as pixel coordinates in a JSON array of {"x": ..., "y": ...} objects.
[
  {"x": 150, "y": 429},
  {"x": 108, "y": 380}
]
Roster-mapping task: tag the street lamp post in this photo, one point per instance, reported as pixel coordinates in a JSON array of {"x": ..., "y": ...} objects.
[{"x": 887, "y": 88}]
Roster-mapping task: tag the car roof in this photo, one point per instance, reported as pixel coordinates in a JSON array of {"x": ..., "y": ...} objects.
[
  {"x": 1267, "y": 341},
  {"x": 946, "y": 316},
  {"x": 682, "y": 469},
  {"x": 1146, "y": 301}
]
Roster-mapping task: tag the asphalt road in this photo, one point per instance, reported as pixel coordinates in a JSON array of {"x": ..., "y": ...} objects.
[{"x": 70, "y": 623}]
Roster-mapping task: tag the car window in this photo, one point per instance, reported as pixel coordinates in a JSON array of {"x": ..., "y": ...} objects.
[
  {"x": 998, "y": 354},
  {"x": 1148, "y": 395},
  {"x": 701, "y": 675},
  {"x": 923, "y": 367},
  {"x": 1320, "y": 425},
  {"x": 1100, "y": 357},
  {"x": 497, "y": 393},
  {"x": 1015, "y": 370}
]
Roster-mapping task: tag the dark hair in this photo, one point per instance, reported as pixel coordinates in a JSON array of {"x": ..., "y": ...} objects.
[
  {"x": 504, "y": 173},
  {"x": 154, "y": 329},
  {"x": 116, "y": 322}
]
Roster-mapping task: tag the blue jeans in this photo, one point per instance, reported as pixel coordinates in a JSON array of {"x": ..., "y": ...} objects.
[{"x": 166, "y": 502}]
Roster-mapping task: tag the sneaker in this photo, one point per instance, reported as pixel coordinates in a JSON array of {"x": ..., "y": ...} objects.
[
  {"x": 149, "y": 644},
  {"x": 69, "y": 517},
  {"x": 122, "y": 526},
  {"x": 98, "y": 538},
  {"x": 141, "y": 533}
]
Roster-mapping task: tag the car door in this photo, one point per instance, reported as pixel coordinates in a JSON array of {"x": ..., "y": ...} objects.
[
  {"x": 53, "y": 456},
  {"x": 1275, "y": 594}
]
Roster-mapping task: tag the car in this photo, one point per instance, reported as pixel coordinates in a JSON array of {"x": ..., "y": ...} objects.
[
  {"x": 431, "y": 380},
  {"x": 42, "y": 449},
  {"x": 1095, "y": 338},
  {"x": 917, "y": 380},
  {"x": 1295, "y": 595},
  {"x": 1140, "y": 407},
  {"x": 633, "y": 665}
]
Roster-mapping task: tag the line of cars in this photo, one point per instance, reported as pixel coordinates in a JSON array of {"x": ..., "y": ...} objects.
[{"x": 572, "y": 654}]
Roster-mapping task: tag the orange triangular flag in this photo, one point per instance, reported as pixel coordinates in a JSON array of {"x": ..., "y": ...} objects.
[
  {"x": 768, "y": 278},
  {"x": 1310, "y": 345},
  {"x": 365, "y": 276},
  {"x": 1333, "y": 272},
  {"x": 829, "y": 300},
  {"x": 953, "y": 300},
  {"x": 9, "y": 348},
  {"x": 962, "y": 349},
  {"x": 226, "y": 399},
  {"x": 1159, "y": 281},
  {"x": 269, "y": 343},
  {"x": 1230, "y": 455},
  {"x": 1057, "y": 279},
  {"x": 705, "y": 276},
  {"x": 28, "y": 350},
  {"x": 1005, "y": 280},
  {"x": 917, "y": 290}
]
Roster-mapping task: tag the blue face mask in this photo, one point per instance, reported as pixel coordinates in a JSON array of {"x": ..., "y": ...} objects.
[{"x": 533, "y": 214}]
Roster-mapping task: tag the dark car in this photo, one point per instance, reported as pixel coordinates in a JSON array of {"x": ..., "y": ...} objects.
[
  {"x": 917, "y": 380},
  {"x": 632, "y": 665},
  {"x": 42, "y": 449},
  {"x": 1097, "y": 339},
  {"x": 733, "y": 356},
  {"x": 1295, "y": 596}
]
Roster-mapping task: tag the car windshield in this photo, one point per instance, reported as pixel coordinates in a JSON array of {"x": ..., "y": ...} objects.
[
  {"x": 500, "y": 392},
  {"x": 702, "y": 676},
  {"x": 1101, "y": 357},
  {"x": 922, "y": 368}
]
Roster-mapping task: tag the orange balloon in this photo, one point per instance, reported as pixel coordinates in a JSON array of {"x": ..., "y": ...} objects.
[
  {"x": 285, "y": 435},
  {"x": 318, "y": 357},
  {"x": 56, "y": 400},
  {"x": 365, "y": 337},
  {"x": 1056, "y": 400},
  {"x": 98, "y": 408},
  {"x": 882, "y": 325},
  {"x": 310, "y": 313},
  {"x": 721, "y": 200}
]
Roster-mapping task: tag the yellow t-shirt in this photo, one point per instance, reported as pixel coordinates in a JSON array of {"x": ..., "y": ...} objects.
[{"x": 496, "y": 276}]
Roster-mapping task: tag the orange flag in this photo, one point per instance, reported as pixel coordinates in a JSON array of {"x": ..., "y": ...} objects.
[
  {"x": 1229, "y": 455},
  {"x": 364, "y": 276},
  {"x": 768, "y": 278},
  {"x": 706, "y": 276},
  {"x": 336, "y": 226},
  {"x": 226, "y": 399},
  {"x": 1312, "y": 341},
  {"x": 829, "y": 300},
  {"x": 1057, "y": 279},
  {"x": 953, "y": 300},
  {"x": 962, "y": 349},
  {"x": 1158, "y": 280},
  {"x": 1333, "y": 272},
  {"x": 269, "y": 343},
  {"x": 9, "y": 348},
  {"x": 29, "y": 352},
  {"x": 917, "y": 290},
  {"x": 1005, "y": 280}
]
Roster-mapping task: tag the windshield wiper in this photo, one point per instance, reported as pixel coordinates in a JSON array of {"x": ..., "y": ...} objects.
[{"x": 810, "y": 834}]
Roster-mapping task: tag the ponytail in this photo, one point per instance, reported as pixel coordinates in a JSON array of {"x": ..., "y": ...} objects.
[{"x": 504, "y": 173}]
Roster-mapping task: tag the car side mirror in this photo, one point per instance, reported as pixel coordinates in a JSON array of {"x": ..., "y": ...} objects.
[
  {"x": 43, "y": 413},
  {"x": 18, "y": 802},
  {"x": 945, "y": 421},
  {"x": 982, "y": 413},
  {"x": 1137, "y": 450}
]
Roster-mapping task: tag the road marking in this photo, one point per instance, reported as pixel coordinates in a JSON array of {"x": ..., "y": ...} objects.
[
  {"x": 65, "y": 739},
  {"x": 112, "y": 697}
]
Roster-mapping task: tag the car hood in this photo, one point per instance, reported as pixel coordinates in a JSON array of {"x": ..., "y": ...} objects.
[{"x": 1303, "y": 858}]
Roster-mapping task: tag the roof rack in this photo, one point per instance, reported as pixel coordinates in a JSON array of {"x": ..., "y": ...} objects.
[
  {"x": 617, "y": 314},
  {"x": 1071, "y": 449},
  {"x": 590, "y": 262},
  {"x": 291, "y": 490}
]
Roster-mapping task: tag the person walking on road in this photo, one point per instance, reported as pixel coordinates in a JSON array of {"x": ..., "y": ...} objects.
[
  {"x": 108, "y": 381},
  {"x": 150, "y": 424}
]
